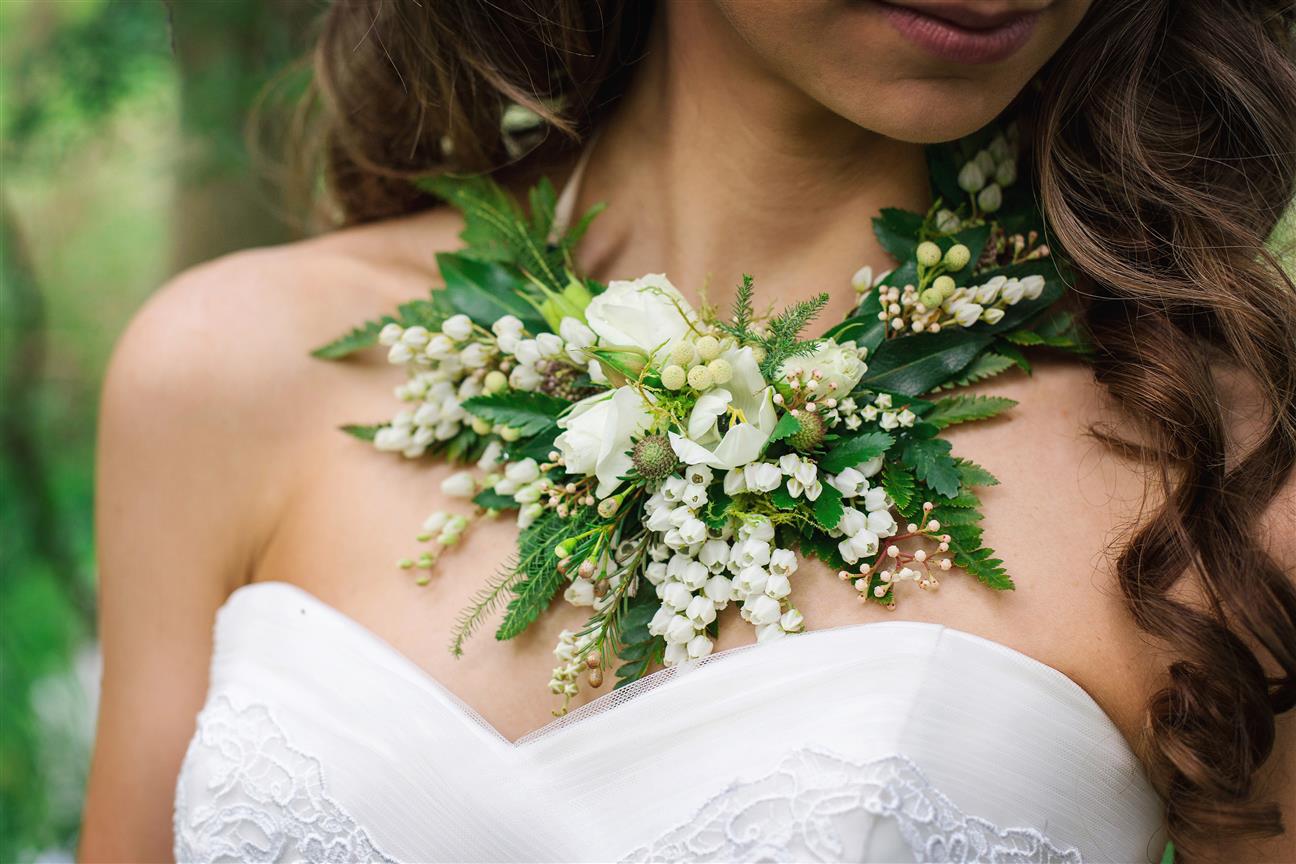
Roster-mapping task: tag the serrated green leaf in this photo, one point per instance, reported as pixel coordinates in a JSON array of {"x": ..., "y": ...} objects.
[
  {"x": 973, "y": 474},
  {"x": 950, "y": 517},
  {"x": 862, "y": 327},
  {"x": 965, "y": 408},
  {"x": 899, "y": 483},
  {"x": 851, "y": 452},
  {"x": 1024, "y": 337},
  {"x": 782, "y": 498},
  {"x": 914, "y": 365},
  {"x": 528, "y": 412},
  {"x": 359, "y": 338},
  {"x": 932, "y": 464},
  {"x": 1012, "y": 353},
  {"x": 716, "y": 511},
  {"x": 786, "y": 427},
  {"x": 828, "y": 507},
  {"x": 363, "y": 432},
  {"x": 985, "y": 366}
]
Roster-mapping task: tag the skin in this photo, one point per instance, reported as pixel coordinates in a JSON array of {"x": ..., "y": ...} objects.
[{"x": 220, "y": 463}]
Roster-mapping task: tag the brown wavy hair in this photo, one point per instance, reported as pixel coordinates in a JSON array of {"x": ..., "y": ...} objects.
[{"x": 1163, "y": 149}]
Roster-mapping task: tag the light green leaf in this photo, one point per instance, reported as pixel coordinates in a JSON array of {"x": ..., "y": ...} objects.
[
  {"x": 965, "y": 408},
  {"x": 524, "y": 411},
  {"x": 930, "y": 459}
]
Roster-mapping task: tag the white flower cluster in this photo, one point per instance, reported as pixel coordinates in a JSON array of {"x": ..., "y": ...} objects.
[
  {"x": 570, "y": 653},
  {"x": 446, "y": 369},
  {"x": 944, "y": 304},
  {"x": 536, "y": 358},
  {"x": 697, "y": 572}
]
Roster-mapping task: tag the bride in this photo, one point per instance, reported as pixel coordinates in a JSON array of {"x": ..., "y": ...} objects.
[{"x": 274, "y": 689}]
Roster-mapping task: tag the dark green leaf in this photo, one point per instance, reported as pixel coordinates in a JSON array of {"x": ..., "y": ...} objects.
[
  {"x": 897, "y": 230},
  {"x": 524, "y": 411},
  {"x": 899, "y": 483},
  {"x": 782, "y": 498},
  {"x": 914, "y": 365},
  {"x": 492, "y": 500},
  {"x": 973, "y": 474},
  {"x": 716, "y": 511},
  {"x": 786, "y": 427},
  {"x": 851, "y": 452},
  {"x": 985, "y": 366},
  {"x": 862, "y": 326},
  {"x": 486, "y": 291}
]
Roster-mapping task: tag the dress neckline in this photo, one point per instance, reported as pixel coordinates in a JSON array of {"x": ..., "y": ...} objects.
[{"x": 617, "y": 698}]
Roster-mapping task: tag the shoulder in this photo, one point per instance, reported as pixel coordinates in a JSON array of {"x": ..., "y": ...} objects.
[{"x": 212, "y": 382}]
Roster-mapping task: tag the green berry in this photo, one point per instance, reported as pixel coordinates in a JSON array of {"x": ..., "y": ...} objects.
[
  {"x": 957, "y": 257},
  {"x": 929, "y": 254},
  {"x": 495, "y": 381},
  {"x": 653, "y": 458},
  {"x": 673, "y": 377},
  {"x": 944, "y": 284},
  {"x": 931, "y": 298},
  {"x": 810, "y": 435}
]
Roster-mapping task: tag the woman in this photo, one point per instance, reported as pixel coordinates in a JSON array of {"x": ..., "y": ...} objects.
[{"x": 1146, "y": 505}]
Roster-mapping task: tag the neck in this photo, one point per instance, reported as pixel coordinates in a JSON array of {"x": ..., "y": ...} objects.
[{"x": 712, "y": 166}]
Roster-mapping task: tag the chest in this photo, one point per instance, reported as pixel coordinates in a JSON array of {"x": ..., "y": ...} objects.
[{"x": 351, "y": 513}]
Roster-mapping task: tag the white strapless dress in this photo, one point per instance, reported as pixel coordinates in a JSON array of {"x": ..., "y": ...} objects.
[{"x": 894, "y": 741}]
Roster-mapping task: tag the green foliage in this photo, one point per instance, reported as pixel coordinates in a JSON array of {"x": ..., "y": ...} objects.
[
  {"x": 898, "y": 481},
  {"x": 537, "y": 566},
  {"x": 862, "y": 326},
  {"x": 828, "y": 507},
  {"x": 528, "y": 412},
  {"x": 638, "y": 649},
  {"x": 965, "y": 408},
  {"x": 781, "y": 339},
  {"x": 979, "y": 561},
  {"x": 972, "y": 474},
  {"x": 930, "y": 458},
  {"x": 987, "y": 365},
  {"x": 492, "y": 500},
  {"x": 918, "y": 364},
  {"x": 786, "y": 427},
  {"x": 423, "y": 312},
  {"x": 897, "y": 230},
  {"x": 486, "y": 291},
  {"x": 485, "y": 600},
  {"x": 850, "y": 452},
  {"x": 364, "y": 433}
]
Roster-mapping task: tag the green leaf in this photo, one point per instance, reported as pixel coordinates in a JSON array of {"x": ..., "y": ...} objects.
[
  {"x": 979, "y": 561},
  {"x": 786, "y": 427},
  {"x": 985, "y": 366},
  {"x": 716, "y": 511},
  {"x": 965, "y": 408},
  {"x": 1016, "y": 356},
  {"x": 816, "y": 544},
  {"x": 862, "y": 326},
  {"x": 899, "y": 483},
  {"x": 492, "y": 500},
  {"x": 1168, "y": 854},
  {"x": 364, "y": 433},
  {"x": 972, "y": 474},
  {"x": 782, "y": 498},
  {"x": 359, "y": 338},
  {"x": 914, "y": 365},
  {"x": 851, "y": 452},
  {"x": 522, "y": 410},
  {"x": 828, "y": 507},
  {"x": 897, "y": 230},
  {"x": 486, "y": 291},
  {"x": 930, "y": 459}
]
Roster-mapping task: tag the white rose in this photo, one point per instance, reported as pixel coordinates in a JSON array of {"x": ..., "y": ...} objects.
[
  {"x": 840, "y": 366},
  {"x": 646, "y": 313},
  {"x": 597, "y": 433}
]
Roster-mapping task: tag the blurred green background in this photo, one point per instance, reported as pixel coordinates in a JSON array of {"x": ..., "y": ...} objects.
[{"x": 122, "y": 160}]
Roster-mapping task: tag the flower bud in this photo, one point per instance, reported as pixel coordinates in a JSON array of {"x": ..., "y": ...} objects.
[
  {"x": 945, "y": 285},
  {"x": 681, "y": 353},
  {"x": 708, "y": 348},
  {"x": 990, "y": 198},
  {"x": 673, "y": 377},
  {"x": 721, "y": 371},
  {"x": 931, "y": 298},
  {"x": 947, "y": 221},
  {"x": 862, "y": 281},
  {"x": 495, "y": 381},
  {"x": 508, "y": 433},
  {"x": 481, "y": 426},
  {"x": 985, "y": 161},
  {"x": 971, "y": 179},
  {"x": 699, "y": 378},
  {"x": 1006, "y": 173}
]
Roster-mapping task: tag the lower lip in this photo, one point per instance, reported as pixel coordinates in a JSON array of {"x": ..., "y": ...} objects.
[{"x": 959, "y": 44}]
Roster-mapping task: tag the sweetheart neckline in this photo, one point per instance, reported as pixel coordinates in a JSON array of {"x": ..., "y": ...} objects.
[{"x": 613, "y": 700}]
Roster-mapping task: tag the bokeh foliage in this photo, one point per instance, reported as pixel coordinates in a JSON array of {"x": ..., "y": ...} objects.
[{"x": 123, "y": 159}]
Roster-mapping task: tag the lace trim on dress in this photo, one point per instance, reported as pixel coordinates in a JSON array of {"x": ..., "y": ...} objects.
[
  {"x": 264, "y": 800},
  {"x": 792, "y": 814}
]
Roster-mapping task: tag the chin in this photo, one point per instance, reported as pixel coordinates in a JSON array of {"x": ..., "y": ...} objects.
[{"x": 927, "y": 112}]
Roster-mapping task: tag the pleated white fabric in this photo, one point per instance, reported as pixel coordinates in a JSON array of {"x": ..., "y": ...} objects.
[{"x": 894, "y": 741}]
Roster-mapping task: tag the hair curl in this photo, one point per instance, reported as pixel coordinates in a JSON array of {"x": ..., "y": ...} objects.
[{"x": 1163, "y": 142}]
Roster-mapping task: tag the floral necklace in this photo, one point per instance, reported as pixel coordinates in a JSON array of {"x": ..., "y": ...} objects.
[{"x": 665, "y": 462}]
